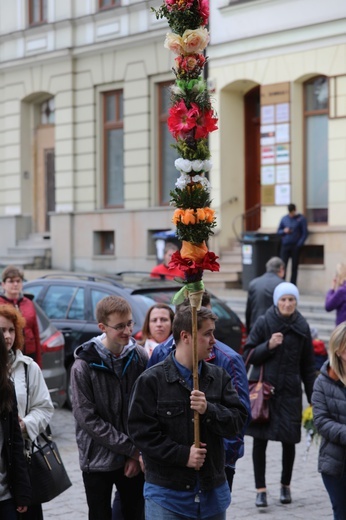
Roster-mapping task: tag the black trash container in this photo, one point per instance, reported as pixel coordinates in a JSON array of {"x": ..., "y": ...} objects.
[{"x": 257, "y": 248}]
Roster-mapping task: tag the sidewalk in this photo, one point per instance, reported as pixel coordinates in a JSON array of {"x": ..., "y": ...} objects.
[{"x": 309, "y": 498}]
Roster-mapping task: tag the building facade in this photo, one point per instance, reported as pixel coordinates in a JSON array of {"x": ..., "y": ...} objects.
[
  {"x": 85, "y": 154},
  {"x": 278, "y": 69}
]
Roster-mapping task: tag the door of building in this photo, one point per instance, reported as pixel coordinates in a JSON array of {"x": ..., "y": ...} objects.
[
  {"x": 44, "y": 192},
  {"x": 252, "y": 160}
]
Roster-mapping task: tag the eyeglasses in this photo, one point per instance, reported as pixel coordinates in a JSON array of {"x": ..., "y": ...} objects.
[{"x": 122, "y": 326}]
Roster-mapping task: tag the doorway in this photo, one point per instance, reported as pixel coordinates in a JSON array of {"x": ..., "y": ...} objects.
[
  {"x": 252, "y": 220},
  {"x": 44, "y": 177}
]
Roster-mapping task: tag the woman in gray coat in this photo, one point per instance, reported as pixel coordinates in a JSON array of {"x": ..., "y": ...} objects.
[
  {"x": 280, "y": 341},
  {"x": 329, "y": 407}
]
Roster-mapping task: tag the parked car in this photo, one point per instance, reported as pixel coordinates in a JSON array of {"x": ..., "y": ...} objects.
[
  {"x": 53, "y": 358},
  {"x": 70, "y": 300}
]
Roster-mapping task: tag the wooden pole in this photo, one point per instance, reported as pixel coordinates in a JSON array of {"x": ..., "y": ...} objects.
[{"x": 195, "y": 373}]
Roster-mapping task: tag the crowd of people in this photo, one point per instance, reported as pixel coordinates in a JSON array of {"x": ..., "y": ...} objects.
[{"x": 135, "y": 403}]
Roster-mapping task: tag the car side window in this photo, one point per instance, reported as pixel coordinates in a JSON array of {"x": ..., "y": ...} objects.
[
  {"x": 57, "y": 301},
  {"x": 76, "y": 309},
  {"x": 34, "y": 290},
  {"x": 96, "y": 296},
  {"x": 218, "y": 309}
]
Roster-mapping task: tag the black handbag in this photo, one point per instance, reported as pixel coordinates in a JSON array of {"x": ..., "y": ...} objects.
[{"x": 47, "y": 472}]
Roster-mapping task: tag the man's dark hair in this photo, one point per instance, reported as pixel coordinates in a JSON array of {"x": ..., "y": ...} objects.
[
  {"x": 291, "y": 207},
  {"x": 183, "y": 320},
  {"x": 274, "y": 264}
]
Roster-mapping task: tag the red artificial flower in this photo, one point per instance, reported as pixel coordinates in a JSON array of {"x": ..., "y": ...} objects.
[
  {"x": 203, "y": 7},
  {"x": 205, "y": 122},
  {"x": 190, "y": 267},
  {"x": 180, "y": 5},
  {"x": 181, "y": 119}
]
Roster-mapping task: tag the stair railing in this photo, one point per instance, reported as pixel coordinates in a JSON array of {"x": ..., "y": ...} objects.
[{"x": 250, "y": 215}]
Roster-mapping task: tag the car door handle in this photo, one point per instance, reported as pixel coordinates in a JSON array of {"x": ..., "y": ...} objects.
[{"x": 66, "y": 332}]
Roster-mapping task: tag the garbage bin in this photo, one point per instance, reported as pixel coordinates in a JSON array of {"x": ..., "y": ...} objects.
[{"x": 257, "y": 248}]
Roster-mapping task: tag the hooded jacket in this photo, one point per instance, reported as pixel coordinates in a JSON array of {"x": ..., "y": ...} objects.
[
  {"x": 285, "y": 367},
  {"x": 329, "y": 406},
  {"x": 100, "y": 396},
  {"x": 298, "y": 227}
]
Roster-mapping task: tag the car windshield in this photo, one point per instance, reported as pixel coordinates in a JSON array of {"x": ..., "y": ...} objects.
[{"x": 150, "y": 299}]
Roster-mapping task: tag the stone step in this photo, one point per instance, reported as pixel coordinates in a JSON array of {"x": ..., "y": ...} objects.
[
  {"x": 36, "y": 250},
  {"x": 18, "y": 260}
]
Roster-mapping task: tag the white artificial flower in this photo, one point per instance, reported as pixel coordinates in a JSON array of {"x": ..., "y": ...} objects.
[
  {"x": 183, "y": 181},
  {"x": 183, "y": 165},
  {"x": 207, "y": 165},
  {"x": 197, "y": 165}
]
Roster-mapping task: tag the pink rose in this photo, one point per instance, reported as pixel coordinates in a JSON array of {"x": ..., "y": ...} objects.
[
  {"x": 174, "y": 43},
  {"x": 194, "y": 40}
]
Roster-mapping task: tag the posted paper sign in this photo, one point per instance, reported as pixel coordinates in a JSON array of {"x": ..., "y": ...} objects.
[
  {"x": 267, "y": 114},
  {"x": 282, "y": 194},
  {"x": 267, "y": 175},
  {"x": 267, "y": 134},
  {"x": 282, "y": 112},
  {"x": 282, "y": 133},
  {"x": 283, "y": 173},
  {"x": 267, "y": 154}
]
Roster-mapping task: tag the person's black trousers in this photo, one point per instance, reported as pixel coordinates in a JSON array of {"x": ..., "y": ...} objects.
[
  {"x": 259, "y": 462},
  {"x": 293, "y": 252},
  {"x": 98, "y": 489}
]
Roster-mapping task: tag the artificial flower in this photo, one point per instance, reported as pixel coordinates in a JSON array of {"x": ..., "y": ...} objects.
[
  {"x": 183, "y": 165},
  {"x": 203, "y": 6},
  {"x": 197, "y": 165},
  {"x": 209, "y": 215},
  {"x": 206, "y": 122},
  {"x": 191, "y": 267},
  {"x": 194, "y": 40},
  {"x": 203, "y": 182},
  {"x": 174, "y": 43},
  {"x": 178, "y": 214},
  {"x": 180, "y": 5},
  {"x": 182, "y": 181},
  {"x": 180, "y": 119},
  {"x": 188, "y": 217}
]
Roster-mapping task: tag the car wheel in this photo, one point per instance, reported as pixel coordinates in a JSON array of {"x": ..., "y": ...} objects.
[{"x": 68, "y": 388}]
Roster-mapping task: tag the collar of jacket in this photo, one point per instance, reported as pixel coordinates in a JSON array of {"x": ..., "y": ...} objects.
[{"x": 172, "y": 374}]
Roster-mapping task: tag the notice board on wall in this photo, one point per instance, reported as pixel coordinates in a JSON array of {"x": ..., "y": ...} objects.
[{"x": 275, "y": 144}]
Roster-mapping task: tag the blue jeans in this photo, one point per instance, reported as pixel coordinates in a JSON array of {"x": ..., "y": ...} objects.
[
  {"x": 336, "y": 488},
  {"x": 8, "y": 509},
  {"x": 155, "y": 512}
]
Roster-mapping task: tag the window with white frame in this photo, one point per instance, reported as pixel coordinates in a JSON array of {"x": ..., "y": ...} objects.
[
  {"x": 113, "y": 148},
  {"x": 316, "y": 111}
]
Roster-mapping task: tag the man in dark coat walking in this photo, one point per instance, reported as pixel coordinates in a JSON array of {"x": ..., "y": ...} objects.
[{"x": 260, "y": 293}]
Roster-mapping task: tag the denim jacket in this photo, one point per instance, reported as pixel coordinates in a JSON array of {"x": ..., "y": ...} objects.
[{"x": 161, "y": 424}]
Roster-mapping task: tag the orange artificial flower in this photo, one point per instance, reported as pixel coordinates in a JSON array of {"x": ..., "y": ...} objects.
[
  {"x": 209, "y": 215},
  {"x": 200, "y": 214},
  {"x": 177, "y": 216},
  {"x": 188, "y": 217}
]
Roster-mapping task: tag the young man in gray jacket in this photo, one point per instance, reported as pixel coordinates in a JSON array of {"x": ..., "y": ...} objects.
[{"x": 102, "y": 377}]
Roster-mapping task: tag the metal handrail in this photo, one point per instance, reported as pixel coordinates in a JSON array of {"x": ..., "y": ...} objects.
[{"x": 252, "y": 212}]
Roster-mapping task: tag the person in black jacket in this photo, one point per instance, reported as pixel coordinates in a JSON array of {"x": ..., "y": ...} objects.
[
  {"x": 183, "y": 479},
  {"x": 329, "y": 409},
  {"x": 15, "y": 489},
  {"x": 281, "y": 342},
  {"x": 260, "y": 292}
]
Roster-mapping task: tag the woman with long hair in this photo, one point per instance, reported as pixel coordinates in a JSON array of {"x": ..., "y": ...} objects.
[
  {"x": 157, "y": 326},
  {"x": 329, "y": 409},
  {"x": 35, "y": 408},
  {"x": 15, "y": 488},
  {"x": 336, "y": 296}
]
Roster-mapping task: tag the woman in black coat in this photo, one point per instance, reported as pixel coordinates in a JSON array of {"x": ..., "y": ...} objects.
[
  {"x": 280, "y": 340},
  {"x": 329, "y": 407},
  {"x": 15, "y": 489}
]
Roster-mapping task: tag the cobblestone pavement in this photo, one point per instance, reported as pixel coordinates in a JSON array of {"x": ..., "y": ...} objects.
[{"x": 309, "y": 498}]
